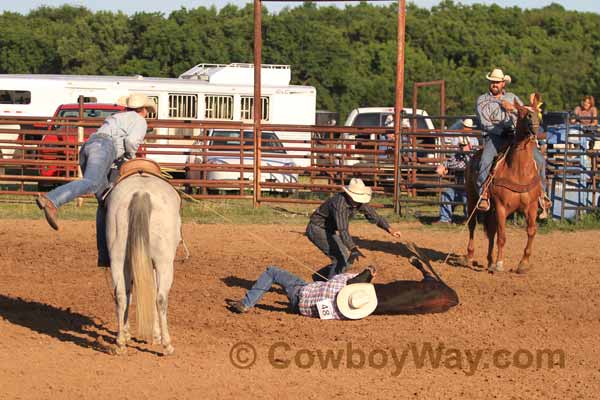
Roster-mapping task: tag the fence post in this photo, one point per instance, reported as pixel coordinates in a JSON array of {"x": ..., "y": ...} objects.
[
  {"x": 80, "y": 139},
  {"x": 257, "y": 100},
  {"x": 399, "y": 101},
  {"x": 564, "y": 177}
]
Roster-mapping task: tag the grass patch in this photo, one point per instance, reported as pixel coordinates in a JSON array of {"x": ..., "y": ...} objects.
[{"x": 242, "y": 212}]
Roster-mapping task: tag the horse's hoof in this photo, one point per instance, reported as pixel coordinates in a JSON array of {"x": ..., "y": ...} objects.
[
  {"x": 500, "y": 266},
  {"x": 523, "y": 268},
  {"x": 462, "y": 261},
  {"x": 497, "y": 267},
  {"x": 156, "y": 341},
  {"x": 127, "y": 336},
  {"x": 168, "y": 350},
  {"x": 120, "y": 350}
]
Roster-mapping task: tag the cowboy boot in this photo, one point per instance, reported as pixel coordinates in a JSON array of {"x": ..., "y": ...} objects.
[
  {"x": 545, "y": 204},
  {"x": 50, "y": 210},
  {"x": 237, "y": 306}
]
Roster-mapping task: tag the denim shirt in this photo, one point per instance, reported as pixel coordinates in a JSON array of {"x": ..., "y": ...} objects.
[
  {"x": 126, "y": 130},
  {"x": 494, "y": 119}
]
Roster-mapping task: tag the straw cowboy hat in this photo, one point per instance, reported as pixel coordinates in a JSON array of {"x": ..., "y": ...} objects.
[
  {"x": 357, "y": 300},
  {"x": 122, "y": 101},
  {"x": 468, "y": 123},
  {"x": 358, "y": 191},
  {"x": 498, "y": 76},
  {"x": 137, "y": 100}
]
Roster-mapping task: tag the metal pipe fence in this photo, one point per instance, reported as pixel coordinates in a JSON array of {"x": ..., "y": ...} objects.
[{"x": 298, "y": 164}]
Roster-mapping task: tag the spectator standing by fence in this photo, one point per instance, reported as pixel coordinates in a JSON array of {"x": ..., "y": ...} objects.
[
  {"x": 587, "y": 113},
  {"x": 457, "y": 163}
]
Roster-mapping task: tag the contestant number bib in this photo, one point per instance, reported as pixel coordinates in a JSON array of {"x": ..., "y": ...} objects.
[{"x": 325, "y": 308}]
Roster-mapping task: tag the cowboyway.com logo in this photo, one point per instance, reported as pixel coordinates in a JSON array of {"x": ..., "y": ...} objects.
[{"x": 281, "y": 355}]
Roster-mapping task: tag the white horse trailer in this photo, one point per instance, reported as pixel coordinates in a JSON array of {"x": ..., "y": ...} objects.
[{"x": 207, "y": 92}]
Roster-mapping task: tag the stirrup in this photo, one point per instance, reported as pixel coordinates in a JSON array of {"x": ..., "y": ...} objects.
[
  {"x": 485, "y": 206},
  {"x": 545, "y": 202}
]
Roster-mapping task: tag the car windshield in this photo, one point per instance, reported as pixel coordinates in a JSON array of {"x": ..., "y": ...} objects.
[
  {"x": 87, "y": 113},
  {"x": 379, "y": 118},
  {"x": 232, "y": 139},
  {"x": 370, "y": 119}
]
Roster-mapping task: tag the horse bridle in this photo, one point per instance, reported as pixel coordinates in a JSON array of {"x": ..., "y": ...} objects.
[{"x": 531, "y": 131}]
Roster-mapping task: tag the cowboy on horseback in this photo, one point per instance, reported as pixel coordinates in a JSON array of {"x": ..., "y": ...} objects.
[
  {"x": 495, "y": 110},
  {"x": 119, "y": 137}
]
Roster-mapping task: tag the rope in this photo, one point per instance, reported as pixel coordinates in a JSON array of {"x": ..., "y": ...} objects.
[
  {"x": 487, "y": 184},
  {"x": 260, "y": 239}
]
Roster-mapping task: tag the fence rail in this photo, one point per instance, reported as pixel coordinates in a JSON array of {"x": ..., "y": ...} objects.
[{"x": 216, "y": 160}]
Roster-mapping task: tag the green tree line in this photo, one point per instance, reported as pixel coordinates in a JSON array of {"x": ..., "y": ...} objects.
[{"x": 348, "y": 54}]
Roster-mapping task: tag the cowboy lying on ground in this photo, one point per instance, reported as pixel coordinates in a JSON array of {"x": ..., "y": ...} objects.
[
  {"x": 328, "y": 227},
  {"x": 495, "y": 110},
  {"x": 352, "y": 296},
  {"x": 345, "y": 296},
  {"x": 120, "y": 134}
]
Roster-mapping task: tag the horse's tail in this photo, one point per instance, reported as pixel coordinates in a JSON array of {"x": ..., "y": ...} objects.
[{"x": 140, "y": 264}]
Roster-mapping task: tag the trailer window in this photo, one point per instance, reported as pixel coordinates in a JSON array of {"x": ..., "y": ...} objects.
[
  {"x": 183, "y": 105},
  {"x": 15, "y": 97},
  {"x": 154, "y": 115},
  {"x": 247, "y": 108},
  {"x": 218, "y": 107}
]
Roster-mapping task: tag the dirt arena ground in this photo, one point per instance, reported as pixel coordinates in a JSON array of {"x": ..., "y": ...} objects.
[{"x": 57, "y": 319}]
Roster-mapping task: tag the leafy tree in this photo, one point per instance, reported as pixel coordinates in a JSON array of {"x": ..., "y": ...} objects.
[{"x": 348, "y": 54}]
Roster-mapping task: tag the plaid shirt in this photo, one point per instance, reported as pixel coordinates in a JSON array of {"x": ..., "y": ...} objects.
[
  {"x": 312, "y": 293},
  {"x": 494, "y": 120}
]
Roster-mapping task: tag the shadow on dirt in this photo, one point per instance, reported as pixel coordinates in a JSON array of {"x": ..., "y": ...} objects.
[
  {"x": 62, "y": 324},
  {"x": 399, "y": 249}
]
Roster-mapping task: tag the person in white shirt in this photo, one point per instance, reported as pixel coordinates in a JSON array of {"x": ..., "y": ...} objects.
[{"x": 119, "y": 137}]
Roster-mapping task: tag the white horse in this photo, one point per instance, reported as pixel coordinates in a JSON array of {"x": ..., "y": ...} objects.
[{"x": 143, "y": 230}]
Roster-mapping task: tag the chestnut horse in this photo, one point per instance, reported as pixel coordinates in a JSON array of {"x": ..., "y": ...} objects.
[{"x": 515, "y": 186}]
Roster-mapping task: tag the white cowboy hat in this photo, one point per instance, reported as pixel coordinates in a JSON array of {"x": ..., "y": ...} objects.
[
  {"x": 468, "y": 123},
  {"x": 358, "y": 191},
  {"x": 357, "y": 300},
  {"x": 498, "y": 76},
  {"x": 138, "y": 100},
  {"x": 122, "y": 101}
]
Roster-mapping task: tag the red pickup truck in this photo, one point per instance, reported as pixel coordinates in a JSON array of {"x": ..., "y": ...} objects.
[{"x": 59, "y": 143}]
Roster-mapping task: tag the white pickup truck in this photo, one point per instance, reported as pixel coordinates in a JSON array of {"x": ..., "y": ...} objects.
[{"x": 381, "y": 117}]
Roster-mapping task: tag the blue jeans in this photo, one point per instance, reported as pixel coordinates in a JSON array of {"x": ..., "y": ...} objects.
[
  {"x": 95, "y": 158},
  {"x": 491, "y": 145},
  {"x": 288, "y": 281},
  {"x": 332, "y": 246},
  {"x": 454, "y": 195}
]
